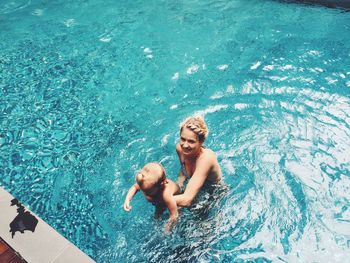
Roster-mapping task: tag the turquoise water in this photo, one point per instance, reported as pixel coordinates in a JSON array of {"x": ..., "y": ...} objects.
[{"x": 92, "y": 90}]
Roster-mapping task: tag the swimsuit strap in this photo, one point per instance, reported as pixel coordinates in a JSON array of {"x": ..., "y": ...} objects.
[{"x": 183, "y": 170}]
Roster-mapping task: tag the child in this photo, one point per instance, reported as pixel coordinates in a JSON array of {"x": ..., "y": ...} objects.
[{"x": 158, "y": 190}]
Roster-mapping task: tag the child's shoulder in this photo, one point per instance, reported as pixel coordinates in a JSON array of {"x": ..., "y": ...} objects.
[
  {"x": 170, "y": 187},
  {"x": 169, "y": 183}
]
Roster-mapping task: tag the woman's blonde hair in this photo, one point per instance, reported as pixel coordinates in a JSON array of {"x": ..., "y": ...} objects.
[{"x": 197, "y": 125}]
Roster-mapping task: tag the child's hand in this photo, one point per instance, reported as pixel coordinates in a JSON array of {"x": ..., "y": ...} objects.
[
  {"x": 168, "y": 228},
  {"x": 171, "y": 223},
  {"x": 127, "y": 206}
]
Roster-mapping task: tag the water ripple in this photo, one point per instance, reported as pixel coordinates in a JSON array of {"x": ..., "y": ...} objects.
[
  {"x": 295, "y": 151},
  {"x": 87, "y": 100},
  {"x": 13, "y": 6}
]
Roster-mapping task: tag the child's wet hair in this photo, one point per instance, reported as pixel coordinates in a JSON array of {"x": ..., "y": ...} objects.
[{"x": 140, "y": 178}]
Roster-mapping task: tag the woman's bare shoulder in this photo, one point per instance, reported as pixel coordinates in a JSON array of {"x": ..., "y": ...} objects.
[
  {"x": 178, "y": 148},
  {"x": 207, "y": 158},
  {"x": 209, "y": 154},
  {"x": 179, "y": 151}
]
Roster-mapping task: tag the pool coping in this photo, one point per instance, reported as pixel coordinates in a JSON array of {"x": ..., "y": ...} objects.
[{"x": 42, "y": 245}]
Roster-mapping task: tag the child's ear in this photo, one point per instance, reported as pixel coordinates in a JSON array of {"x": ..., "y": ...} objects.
[{"x": 164, "y": 182}]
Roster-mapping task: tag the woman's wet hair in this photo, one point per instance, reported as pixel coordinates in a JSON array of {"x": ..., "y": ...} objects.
[{"x": 197, "y": 125}]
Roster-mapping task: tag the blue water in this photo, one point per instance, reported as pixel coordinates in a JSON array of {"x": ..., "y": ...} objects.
[{"x": 92, "y": 90}]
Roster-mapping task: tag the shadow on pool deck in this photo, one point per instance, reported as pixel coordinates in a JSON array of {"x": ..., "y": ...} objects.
[
  {"x": 26, "y": 235},
  {"x": 23, "y": 221}
]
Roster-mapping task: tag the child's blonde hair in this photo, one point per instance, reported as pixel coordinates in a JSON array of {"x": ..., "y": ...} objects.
[
  {"x": 197, "y": 125},
  {"x": 140, "y": 178}
]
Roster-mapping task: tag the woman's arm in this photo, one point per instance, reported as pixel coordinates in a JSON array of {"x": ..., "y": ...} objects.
[
  {"x": 132, "y": 191},
  {"x": 195, "y": 183}
]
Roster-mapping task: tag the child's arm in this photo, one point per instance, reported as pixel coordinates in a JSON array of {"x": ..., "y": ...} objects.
[
  {"x": 170, "y": 203},
  {"x": 132, "y": 191}
]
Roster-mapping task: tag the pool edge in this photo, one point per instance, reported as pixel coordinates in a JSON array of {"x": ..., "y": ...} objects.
[{"x": 43, "y": 244}]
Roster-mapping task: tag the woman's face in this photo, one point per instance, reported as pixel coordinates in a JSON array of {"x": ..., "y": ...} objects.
[{"x": 189, "y": 142}]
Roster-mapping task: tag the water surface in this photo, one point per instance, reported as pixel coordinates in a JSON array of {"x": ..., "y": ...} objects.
[{"x": 92, "y": 90}]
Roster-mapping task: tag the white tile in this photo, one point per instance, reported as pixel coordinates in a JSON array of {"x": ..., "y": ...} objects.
[
  {"x": 72, "y": 254},
  {"x": 4, "y": 195},
  {"x": 8, "y": 213},
  {"x": 42, "y": 245}
]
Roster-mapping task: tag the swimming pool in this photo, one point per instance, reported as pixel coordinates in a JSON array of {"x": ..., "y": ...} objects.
[{"x": 92, "y": 90}]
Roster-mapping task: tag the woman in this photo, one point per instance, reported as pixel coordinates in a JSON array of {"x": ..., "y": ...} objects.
[{"x": 198, "y": 163}]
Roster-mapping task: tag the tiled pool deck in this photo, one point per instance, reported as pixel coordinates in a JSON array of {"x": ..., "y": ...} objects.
[{"x": 43, "y": 245}]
